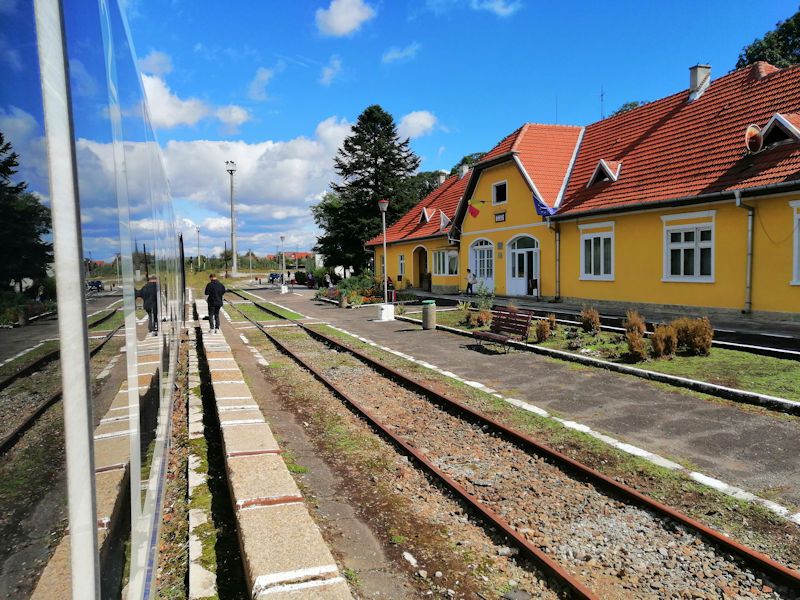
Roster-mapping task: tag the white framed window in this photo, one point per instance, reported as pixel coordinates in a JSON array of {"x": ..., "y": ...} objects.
[
  {"x": 445, "y": 262},
  {"x": 499, "y": 192},
  {"x": 689, "y": 249},
  {"x": 401, "y": 265},
  {"x": 484, "y": 259},
  {"x": 795, "y": 204},
  {"x": 597, "y": 255}
]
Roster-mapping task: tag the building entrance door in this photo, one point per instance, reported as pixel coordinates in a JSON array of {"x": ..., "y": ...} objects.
[{"x": 523, "y": 267}]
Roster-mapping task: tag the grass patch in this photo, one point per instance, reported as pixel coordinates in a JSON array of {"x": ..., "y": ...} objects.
[
  {"x": 112, "y": 323},
  {"x": 730, "y": 368},
  {"x": 23, "y": 361},
  {"x": 283, "y": 312},
  {"x": 255, "y": 313},
  {"x": 291, "y": 463}
]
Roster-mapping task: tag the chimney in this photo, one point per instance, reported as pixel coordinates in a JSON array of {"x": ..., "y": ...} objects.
[
  {"x": 442, "y": 177},
  {"x": 463, "y": 171},
  {"x": 699, "y": 80}
]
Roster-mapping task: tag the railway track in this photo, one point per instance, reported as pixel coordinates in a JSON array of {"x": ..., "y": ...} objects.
[
  {"x": 597, "y": 537},
  {"x": 12, "y": 437}
]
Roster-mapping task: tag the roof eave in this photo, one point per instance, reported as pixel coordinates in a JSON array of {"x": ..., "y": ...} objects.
[{"x": 763, "y": 190}]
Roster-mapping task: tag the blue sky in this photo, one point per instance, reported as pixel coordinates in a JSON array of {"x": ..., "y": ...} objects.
[{"x": 275, "y": 85}]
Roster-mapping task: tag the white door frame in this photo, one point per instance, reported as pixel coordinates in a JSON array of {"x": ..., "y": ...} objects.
[
  {"x": 516, "y": 286},
  {"x": 488, "y": 282}
]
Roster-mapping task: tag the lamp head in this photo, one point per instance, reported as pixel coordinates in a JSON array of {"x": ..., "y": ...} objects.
[
  {"x": 230, "y": 166},
  {"x": 383, "y": 205}
]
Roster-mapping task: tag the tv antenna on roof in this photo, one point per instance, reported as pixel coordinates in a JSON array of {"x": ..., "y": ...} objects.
[{"x": 602, "y": 98}]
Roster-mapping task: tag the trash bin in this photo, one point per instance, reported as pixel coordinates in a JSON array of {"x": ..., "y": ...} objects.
[{"x": 429, "y": 314}]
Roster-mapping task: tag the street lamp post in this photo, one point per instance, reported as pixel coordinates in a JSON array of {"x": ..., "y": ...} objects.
[
  {"x": 383, "y": 205},
  {"x": 197, "y": 265},
  {"x": 231, "y": 169}
]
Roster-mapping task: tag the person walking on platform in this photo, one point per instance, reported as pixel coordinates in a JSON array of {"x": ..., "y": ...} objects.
[
  {"x": 149, "y": 296},
  {"x": 215, "y": 291}
]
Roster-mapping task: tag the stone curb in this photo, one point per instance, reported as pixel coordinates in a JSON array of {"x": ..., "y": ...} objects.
[{"x": 745, "y": 397}]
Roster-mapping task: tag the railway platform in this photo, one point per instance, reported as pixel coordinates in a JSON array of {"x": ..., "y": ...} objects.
[
  {"x": 755, "y": 451},
  {"x": 283, "y": 552}
]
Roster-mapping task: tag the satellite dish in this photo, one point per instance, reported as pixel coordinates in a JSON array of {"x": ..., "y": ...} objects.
[{"x": 753, "y": 139}]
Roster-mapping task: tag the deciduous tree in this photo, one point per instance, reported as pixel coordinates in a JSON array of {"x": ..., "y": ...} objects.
[{"x": 779, "y": 47}]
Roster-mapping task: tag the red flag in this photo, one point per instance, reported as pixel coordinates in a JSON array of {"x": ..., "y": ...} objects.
[{"x": 473, "y": 212}]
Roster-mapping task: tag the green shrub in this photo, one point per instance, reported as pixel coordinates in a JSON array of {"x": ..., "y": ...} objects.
[
  {"x": 484, "y": 299},
  {"x": 664, "y": 341},
  {"x": 484, "y": 318},
  {"x": 636, "y": 346},
  {"x": 590, "y": 320},
  {"x": 300, "y": 277},
  {"x": 634, "y": 322},
  {"x": 542, "y": 330}
]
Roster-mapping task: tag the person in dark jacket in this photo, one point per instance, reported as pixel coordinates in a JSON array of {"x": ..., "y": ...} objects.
[
  {"x": 215, "y": 291},
  {"x": 149, "y": 296}
]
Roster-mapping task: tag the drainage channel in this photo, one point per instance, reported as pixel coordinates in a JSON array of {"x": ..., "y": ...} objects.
[{"x": 231, "y": 581}]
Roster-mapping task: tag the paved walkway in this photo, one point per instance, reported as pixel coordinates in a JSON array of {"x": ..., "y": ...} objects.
[
  {"x": 756, "y": 451},
  {"x": 19, "y": 339}
]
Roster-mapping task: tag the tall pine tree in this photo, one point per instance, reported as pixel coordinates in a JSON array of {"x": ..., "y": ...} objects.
[
  {"x": 373, "y": 163},
  {"x": 25, "y": 220}
]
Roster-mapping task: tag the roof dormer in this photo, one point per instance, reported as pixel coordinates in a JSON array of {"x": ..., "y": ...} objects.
[
  {"x": 782, "y": 128},
  {"x": 425, "y": 216},
  {"x": 606, "y": 170}
]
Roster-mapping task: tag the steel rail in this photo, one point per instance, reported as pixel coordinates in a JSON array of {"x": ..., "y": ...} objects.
[
  {"x": 578, "y": 589},
  {"x": 47, "y": 358},
  {"x": 752, "y": 557},
  {"x": 13, "y": 437},
  {"x": 763, "y": 562}
]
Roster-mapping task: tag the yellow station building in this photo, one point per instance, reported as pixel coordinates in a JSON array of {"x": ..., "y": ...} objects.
[{"x": 691, "y": 200}]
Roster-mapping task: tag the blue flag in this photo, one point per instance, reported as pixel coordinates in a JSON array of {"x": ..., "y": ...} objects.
[{"x": 541, "y": 208}]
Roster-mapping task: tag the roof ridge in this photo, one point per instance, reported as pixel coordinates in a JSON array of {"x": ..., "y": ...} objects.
[{"x": 522, "y": 131}]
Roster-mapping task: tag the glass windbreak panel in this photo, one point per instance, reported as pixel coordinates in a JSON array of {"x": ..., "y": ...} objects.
[{"x": 33, "y": 502}]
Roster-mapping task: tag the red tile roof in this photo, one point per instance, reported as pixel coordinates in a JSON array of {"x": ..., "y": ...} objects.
[
  {"x": 545, "y": 152},
  {"x": 444, "y": 199},
  {"x": 672, "y": 148}
]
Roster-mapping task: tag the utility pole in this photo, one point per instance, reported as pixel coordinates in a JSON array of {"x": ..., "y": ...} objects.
[
  {"x": 231, "y": 169},
  {"x": 283, "y": 258},
  {"x": 250, "y": 254},
  {"x": 225, "y": 258},
  {"x": 146, "y": 268},
  {"x": 197, "y": 266}
]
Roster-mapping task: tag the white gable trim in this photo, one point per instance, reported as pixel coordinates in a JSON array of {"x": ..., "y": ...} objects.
[
  {"x": 612, "y": 175},
  {"x": 568, "y": 174},
  {"x": 528, "y": 179},
  {"x": 779, "y": 118}
]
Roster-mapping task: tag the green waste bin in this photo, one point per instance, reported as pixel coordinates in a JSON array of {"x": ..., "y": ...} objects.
[{"x": 429, "y": 314}]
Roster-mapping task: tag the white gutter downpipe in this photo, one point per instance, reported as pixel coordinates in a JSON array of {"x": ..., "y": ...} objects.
[
  {"x": 748, "y": 286},
  {"x": 68, "y": 254}
]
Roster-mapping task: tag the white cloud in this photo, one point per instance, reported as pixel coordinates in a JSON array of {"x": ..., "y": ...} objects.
[
  {"x": 156, "y": 63},
  {"x": 257, "y": 89},
  {"x": 232, "y": 116},
  {"x": 395, "y": 54},
  {"x": 416, "y": 124},
  {"x": 331, "y": 70},
  {"x": 217, "y": 224},
  {"x": 501, "y": 8},
  {"x": 168, "y": 110},
  {"x": 343, "y": 17},
  {"x": 10, "y": 55},
  {"x": 82, "y": 82}
]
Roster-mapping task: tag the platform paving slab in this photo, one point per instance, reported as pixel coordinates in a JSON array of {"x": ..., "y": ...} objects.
[
  {"x": 234, "y": 417},
  {"x": 333, "y": 589},
  {"x": 111, "y": 451},
  {"x": 260, "y": 476},
  {"x": 301, "y": 554},
  {"x": 753, "y": 450}
]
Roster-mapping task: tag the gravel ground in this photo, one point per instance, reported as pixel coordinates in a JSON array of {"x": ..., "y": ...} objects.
[{"x": 618, "y": 550}]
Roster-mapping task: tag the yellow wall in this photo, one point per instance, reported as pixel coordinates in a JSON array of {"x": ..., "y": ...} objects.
[
  {"x": 638, "y": 265},
  {"x": 521, "y": 219},
  {"x": 639, "y": 259},
  {"x": 441, "y": 283}
]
